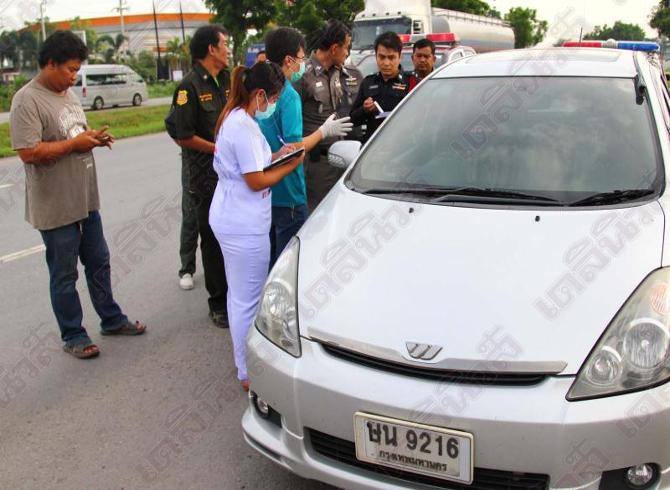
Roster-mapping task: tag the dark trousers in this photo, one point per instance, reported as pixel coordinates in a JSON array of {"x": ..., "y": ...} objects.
[
  {"x": 188, "y": 240},
  {"x": 65, "y": 246},
  {"x": 320, "y": 177},
  {"x": 212, "y": 258},
  {"x": 286, "y": 222}
]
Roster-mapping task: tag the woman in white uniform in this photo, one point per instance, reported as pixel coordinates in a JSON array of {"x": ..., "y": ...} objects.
[{"x": 240, "y": 213}]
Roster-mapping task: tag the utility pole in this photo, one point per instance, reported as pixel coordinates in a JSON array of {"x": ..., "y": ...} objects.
[
  {"x": 122, "y": 6},
  {"x": 159, "y": 65},
  {"x": 43, "y": 8},
  {"x": 181, "y": 18}
]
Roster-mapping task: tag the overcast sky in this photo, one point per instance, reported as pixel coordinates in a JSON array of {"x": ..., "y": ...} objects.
[{"x": 564, "y": 16}]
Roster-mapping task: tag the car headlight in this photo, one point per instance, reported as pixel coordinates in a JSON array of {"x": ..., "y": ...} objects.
[
  {"x": 634, "y": 352},
  {"x": 277, "y": 317}
]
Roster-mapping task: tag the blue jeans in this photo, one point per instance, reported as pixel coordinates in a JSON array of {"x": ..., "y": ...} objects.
[
  {"x": 285, "y": 224},
  {"x": 83, "y": 240}
]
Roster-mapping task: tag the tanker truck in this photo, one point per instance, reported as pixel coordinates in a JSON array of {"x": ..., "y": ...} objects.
[{"x": 418, "y": 17}]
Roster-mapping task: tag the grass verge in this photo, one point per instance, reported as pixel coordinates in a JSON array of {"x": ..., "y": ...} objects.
[
  {"x": 123, "y": 123},
  {"x": 163, "y": 89}
]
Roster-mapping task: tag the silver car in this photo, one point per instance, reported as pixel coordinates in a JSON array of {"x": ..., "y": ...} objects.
[
  {"x": 483, "y": 300},
  {"x": 100, "y": 86}
]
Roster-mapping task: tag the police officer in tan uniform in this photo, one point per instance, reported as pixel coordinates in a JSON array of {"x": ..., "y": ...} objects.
[{"x": 327, "y": 87}]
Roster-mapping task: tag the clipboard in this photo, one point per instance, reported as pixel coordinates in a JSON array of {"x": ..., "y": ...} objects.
[{"x": 285, "y": 159}]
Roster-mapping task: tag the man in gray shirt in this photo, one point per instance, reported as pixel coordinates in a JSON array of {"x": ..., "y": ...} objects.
[{"x": 50, "y": 134}]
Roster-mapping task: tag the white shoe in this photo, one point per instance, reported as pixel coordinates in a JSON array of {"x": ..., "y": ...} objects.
[{"x": 186, "y": 282}]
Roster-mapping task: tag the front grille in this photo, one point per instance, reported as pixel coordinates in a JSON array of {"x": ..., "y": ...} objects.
[
  {"x": 446, "y": 376},
  {"x": 345, "y": 452}
]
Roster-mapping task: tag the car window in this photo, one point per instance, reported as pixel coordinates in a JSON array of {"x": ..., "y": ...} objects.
[
  {"x": 98, "y": 79},
  {"x": 456, "y": 55},
  {"x": 366, "y": 31},
  {"x": 559, "y": 137},
  {"x": 368, "y": 65},
  {"x": 116, "y": 79}
]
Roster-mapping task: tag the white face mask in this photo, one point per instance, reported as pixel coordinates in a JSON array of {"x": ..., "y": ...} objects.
[{"x": 260, "y": 115}]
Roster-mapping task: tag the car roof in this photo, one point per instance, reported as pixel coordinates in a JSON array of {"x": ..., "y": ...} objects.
[
  {"x": 104, "y": 68},
  {"x": 557, "y": 62},
  {"x": 440, "y": 48}
]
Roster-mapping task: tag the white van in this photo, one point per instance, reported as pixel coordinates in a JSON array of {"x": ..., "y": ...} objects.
[{"x": 101, "y": 86}]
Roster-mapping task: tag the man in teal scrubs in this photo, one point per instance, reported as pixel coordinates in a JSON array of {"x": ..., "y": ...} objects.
[{"x": 285, "y": 46}]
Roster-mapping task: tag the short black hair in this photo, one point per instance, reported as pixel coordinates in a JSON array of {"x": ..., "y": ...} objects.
[
  {"x": 60, "y": 47},
  {"x": 424, "y": 43},
  {"x": 282, "y": 42},
  {"x": 390, "y": 40},
  {"x": 334, "y": 32},
  {"x": 204, "y": 37}
]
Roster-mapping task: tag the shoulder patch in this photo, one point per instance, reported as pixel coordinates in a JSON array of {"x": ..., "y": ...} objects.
[{"x": 182, "y": 97}]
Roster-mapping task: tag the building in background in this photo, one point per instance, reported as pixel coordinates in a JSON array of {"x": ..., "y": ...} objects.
[{"x": 139, "y": 28}]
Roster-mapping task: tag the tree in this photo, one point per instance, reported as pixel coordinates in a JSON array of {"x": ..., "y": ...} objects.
[
  {"x": 28, "y": 46},
  {"x": 495, "y": 13},
  {"x": 619, "y": 31},
  {"x": 144, "y": 64},
  {"x": 238, "y": 16},
  {"x": 660, "y": 18},
  {"x": 528, "y": 30},
  {"x": 477, "y": 7},
  {"x": 309, "y": 16},
  {"x": 77, "y": 24},
  {"x": 9, "y": 48}
]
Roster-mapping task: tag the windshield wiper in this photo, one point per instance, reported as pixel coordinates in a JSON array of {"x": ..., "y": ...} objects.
[
  {"x": 465, "y": 194},
  {"x": 493, "y": 196},
  {"x": 612, "y": 197}
]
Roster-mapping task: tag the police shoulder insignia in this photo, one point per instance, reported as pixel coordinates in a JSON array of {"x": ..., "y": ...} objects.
[{"x": 182, "y": 97}]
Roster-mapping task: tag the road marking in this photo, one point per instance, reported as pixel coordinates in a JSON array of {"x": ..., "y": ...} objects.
[
  {"x": 23, "y": 253},
  {"x": 4, "y": 186}
]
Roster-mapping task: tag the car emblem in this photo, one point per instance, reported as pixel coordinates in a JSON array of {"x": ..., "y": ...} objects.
[{"x": 423, "y": 352}]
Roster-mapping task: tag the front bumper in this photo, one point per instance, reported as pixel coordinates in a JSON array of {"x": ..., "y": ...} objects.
[{"x": 524, "y": 429}]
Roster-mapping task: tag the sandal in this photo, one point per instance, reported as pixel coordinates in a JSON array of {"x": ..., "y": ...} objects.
[
  {"x": 82, "y": 351},
  {"x": 128, "y": 328},
  {"x": 245, "y": 384}
]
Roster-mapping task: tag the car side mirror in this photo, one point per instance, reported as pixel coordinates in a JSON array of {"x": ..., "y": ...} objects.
[{"x": 341, "y": 154}]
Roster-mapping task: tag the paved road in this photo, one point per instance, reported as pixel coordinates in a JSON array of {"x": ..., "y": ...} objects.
[
  {"x": 120, "y": 421},
  {"x": 4, "y": 116}
]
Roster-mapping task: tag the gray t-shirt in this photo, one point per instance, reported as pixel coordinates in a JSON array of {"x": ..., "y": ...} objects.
[{"x": 63, "y": 191}]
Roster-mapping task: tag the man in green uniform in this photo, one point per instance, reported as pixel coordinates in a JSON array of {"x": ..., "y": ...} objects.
[{"x": 197, "y": 102}]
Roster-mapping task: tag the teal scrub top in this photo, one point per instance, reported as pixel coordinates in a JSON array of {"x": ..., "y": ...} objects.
[{"x": 286, "y": 122}]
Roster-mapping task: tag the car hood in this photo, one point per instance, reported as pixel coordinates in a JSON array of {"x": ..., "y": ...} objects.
[{"x": 520, "y": 290}]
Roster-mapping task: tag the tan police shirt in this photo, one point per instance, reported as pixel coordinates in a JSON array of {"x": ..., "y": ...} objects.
[{"x": 324, "y": 92}]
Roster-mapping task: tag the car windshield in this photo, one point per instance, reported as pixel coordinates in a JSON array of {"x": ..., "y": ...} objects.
[
  {"x": 561, "y": 138},
  {"x": 366, "y": 31}
]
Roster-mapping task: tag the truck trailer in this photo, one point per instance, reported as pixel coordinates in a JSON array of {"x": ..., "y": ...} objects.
[{"x": 418, "y": 17}]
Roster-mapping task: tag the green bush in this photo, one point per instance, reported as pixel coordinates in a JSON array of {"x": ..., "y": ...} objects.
[{"x": 7, "y": 91}]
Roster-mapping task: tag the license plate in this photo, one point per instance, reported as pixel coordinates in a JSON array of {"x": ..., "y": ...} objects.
[{"x": 433, "y": 451}]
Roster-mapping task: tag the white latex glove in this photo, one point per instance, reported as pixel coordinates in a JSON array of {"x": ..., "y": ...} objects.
[{"x": 336, "y": 127}]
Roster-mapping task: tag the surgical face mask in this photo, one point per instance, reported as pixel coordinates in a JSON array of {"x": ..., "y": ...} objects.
[
  {"x": 260, "y": 115},
  {"x": 298, "y": 75}
]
